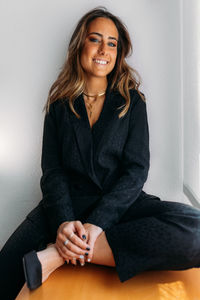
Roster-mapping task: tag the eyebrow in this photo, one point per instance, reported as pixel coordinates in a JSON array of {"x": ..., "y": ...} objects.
[{"x": 101, "y": 35}]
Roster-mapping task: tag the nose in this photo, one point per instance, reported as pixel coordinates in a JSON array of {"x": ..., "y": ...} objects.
[{"x": 102, "y": 48}]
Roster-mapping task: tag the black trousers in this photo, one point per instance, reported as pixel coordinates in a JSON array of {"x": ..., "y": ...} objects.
[{"x": 152, "y": 235}]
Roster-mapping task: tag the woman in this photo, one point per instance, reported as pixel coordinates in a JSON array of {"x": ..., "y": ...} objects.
[{"x": 95, "y": 161}]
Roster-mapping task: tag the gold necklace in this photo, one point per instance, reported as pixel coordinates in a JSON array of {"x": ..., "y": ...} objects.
[
  {"x": 94, "y": 96},
  {"x": 90, "y": 105}
]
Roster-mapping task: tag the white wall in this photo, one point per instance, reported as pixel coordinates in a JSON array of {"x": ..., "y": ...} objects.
[
  {"x": 34, "y": 37},
  {"x": 191, "y": 94}
]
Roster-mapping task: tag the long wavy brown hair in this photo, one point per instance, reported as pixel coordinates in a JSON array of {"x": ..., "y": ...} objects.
[{"x": 71, "y": 81}]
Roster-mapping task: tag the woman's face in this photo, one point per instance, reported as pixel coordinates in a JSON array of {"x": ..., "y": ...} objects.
[{"x": 99, "y": 52}]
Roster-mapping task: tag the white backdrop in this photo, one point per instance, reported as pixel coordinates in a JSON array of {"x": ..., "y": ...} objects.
[
  {"x": 191, "y": 95},
  {"x": 34, "y": 37}
]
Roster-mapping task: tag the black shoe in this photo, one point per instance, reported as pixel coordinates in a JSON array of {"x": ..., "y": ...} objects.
[{"x": 32, "y": 270}]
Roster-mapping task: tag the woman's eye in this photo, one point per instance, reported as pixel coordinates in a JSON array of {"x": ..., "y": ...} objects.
[
  {"x": 94, "y": 40},
  {"x": 112, "y": 44}
]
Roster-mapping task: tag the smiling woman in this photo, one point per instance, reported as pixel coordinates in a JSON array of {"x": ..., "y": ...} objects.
[
  {"x": 95, "y": 161},
  {"x": 92, "y": 34},
  {"x": 99, "y": 52}
]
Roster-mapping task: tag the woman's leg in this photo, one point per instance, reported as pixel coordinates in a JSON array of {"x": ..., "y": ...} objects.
[
  {"x": 155, "y": 235},
  {"x": 152, "y": 235},
  {"x": 28, "y": 236},
  {"x": 103, "y": 254},
  {"x": 50, "y": 260}
]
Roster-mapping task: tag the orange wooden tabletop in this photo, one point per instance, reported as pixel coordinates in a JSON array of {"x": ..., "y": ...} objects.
[{"x": 93, "y": 282}]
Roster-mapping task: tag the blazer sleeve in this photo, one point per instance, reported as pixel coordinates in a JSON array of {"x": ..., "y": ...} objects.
[
  {"x": 54, "y": 182},
  {"x": 135, "y": 167}
]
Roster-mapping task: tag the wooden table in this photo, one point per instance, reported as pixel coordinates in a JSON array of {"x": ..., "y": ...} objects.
[{"x": 93, "y": 282}]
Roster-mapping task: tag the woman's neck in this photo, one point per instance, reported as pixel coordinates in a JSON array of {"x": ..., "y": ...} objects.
[{"x": 95, "y": 86}]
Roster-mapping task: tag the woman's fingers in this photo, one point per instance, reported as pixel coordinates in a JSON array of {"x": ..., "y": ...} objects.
[
  {"x": 79, "y": 243},
  {"x": 69, "y": 243},
  {"x": 90, "y": 253},
  {"x": 93, "y": 233},
  {"x": 68, "y": 231},
  {"x": 73, "y": 261},
  {"x": 81, "y": 232},
  {"x": 68, "y": 249},
  {"x": 80, "y": 261},
  {"x": 67, "y": 259},
  {"x": 74, "y": 244},
  {"x": 78, "y": 228},
  {"x": 73, "y": 249},
  {"x": 64, "y": 252}
]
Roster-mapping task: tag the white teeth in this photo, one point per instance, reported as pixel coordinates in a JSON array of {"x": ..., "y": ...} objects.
[{"x": 102, "y": 62}]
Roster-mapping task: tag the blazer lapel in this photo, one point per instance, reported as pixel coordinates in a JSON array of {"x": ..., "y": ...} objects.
[
  {"x": 106, "y": 121},
  {"x": 84, "y": 138}
]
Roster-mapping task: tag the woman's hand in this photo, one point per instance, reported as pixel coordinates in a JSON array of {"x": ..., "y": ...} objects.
[
  {"x": 92, "y": 233},
  {"x": 76, "y": 247}
]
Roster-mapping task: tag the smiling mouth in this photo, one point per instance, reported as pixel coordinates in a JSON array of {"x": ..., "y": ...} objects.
[{"x": 100, "y": 61}]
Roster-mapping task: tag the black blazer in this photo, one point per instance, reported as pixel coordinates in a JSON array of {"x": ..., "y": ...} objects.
[{"x": 99, "y": 171}]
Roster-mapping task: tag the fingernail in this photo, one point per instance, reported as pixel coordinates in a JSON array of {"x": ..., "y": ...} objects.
[
  {"x": 89, "y": 260},
  {"x": 88, "y": 248},
  {"x": 84, "y": 236},
  {"x": 81, "y": 256},
  {"x": 86, "y": 253}
]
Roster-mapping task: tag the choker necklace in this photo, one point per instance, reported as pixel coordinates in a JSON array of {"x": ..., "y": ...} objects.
[
  {"x": 89, "y": 104},
  {"x": 94, "y": 96}
]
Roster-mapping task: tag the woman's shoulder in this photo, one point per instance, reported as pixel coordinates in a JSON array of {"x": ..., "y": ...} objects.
[
  {"x": 136, "y": 95},
  {"x": 58, "y": 105},
  {"x": 138, "y": 102},
  {"x": 57, "y": 111}
]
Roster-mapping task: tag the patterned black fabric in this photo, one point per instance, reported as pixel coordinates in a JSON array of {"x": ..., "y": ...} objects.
[{"x": 155, "y": 235}]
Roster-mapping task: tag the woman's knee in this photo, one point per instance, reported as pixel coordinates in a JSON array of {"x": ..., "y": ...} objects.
[
  {"x": 189, "y": 245},
  {"x": 102, "y": 252}
]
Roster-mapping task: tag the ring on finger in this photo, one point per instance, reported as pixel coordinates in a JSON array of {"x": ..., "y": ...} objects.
[{"x": 66, "y": 242}]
